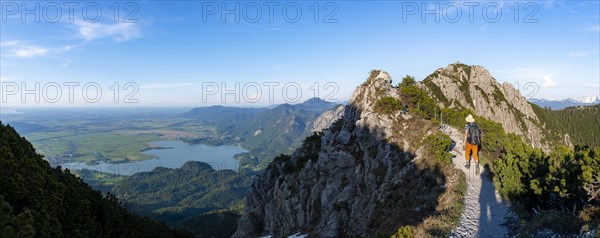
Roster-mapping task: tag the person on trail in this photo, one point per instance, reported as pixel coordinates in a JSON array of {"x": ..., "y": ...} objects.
[{"x": 472, "y": 141}]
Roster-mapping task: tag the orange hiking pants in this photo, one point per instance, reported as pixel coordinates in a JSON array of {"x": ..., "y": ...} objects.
[{"x": 471, "y": 148}]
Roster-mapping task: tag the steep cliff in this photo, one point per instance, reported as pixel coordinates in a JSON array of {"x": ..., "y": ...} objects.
[
  {"x": 327, "y": 118},
  {"x": 473, "y": 87},
  {"x": 362, "y": 176}
]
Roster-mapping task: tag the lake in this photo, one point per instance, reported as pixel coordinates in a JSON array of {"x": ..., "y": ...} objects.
[{"x": 219, "y": 157}]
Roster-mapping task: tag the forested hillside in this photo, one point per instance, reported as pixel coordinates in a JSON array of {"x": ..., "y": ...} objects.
[
  {"x": 188, "y": 197},
  {"x": 265, "y": 132},
  {"x": 37, "y": 200},
  {"x": 582, "y": 124}
]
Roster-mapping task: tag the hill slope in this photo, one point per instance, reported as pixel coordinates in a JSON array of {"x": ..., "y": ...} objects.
[
  {"x": 37, "y": 199},
  {"x": 177, "y": 195},
  {"x": 363, "y": 176},
  {"x": 573, "y": 125},
  {"x": 459, "y": 86},
  {"x": 221, "y": 114},
  {"x": 384, "y": 166},
  {"x": 266, "y": 132},
  {"x": 473, "y": 88}
]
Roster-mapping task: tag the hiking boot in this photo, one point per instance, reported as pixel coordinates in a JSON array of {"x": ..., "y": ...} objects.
[
  {"x": 477, "y": 168},
  {"x": 467, "y": 165}
]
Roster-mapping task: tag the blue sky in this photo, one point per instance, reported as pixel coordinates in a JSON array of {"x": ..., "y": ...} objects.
[{"x": 182, "y": 53}]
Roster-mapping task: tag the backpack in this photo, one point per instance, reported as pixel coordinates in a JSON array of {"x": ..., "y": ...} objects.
[{"x": 474, "y": 135}]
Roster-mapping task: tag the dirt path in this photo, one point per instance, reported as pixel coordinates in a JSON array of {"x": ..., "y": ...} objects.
[{"x": 484, "y": 213}]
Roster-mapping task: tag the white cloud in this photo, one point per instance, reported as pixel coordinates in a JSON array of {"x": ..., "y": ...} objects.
[
  {"x": 536, "y": 74},
  {"x": 84, "y": 33},
  {"x": 119, "y": 32},
  {"x": 30, "y": 51},
  {"x": 578, "y": 54},
  {"x": 549, "y": 82},
  {"x": 9, "y": 43},
  {"x": 20, "y": 49}
]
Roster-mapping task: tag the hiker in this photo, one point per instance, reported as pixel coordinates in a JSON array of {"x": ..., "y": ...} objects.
[{"x": 472, "y": 141}]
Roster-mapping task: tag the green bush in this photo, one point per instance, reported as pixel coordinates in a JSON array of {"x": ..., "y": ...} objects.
[
  {"x": 559, "y": 222},
  {"x": 404, "y": 232},
  {"x": 439, "y": 145},
  {"x": 407, "y": 81},
  {"x": 417, "y": 99},
  {"x": 557, "y": 180},
  {"x": 388, "y": 105}
]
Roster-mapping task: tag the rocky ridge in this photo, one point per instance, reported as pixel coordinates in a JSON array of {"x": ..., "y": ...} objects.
[
  {"x": 352, "y": 180},
  {"x": 366, "y": 174},
  {"x": 473, "y": 87},
  {"x": 327, "y": 118}
]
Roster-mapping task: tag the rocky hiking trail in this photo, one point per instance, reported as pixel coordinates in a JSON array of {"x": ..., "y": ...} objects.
[{"x": 484, "y": 212}]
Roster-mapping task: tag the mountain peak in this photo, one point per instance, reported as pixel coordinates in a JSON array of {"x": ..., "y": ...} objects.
[
  {"x": 314, "y": 100},
  {"x": 377, "y": 85},
  {"x": 316, "y": 104},
  {"x": 349, "y": 180},
  {"x": 589, "y": 99},
  {"x": 567, "y": 102},
  {"x": 473, "y": 87},
  {"x": 379, "y": 75},
  {"x": 461, "y": 72}
]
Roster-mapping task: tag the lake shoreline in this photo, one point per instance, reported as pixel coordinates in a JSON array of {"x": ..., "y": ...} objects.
[{"x": 168, "y": 154}]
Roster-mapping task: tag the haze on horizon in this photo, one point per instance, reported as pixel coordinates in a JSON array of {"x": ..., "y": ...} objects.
[{"x": 162, "y": 54}]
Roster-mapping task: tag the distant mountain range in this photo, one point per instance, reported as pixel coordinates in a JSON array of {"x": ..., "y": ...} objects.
[
  {"x": 266, "y": 132},
  {"x": 564, "y": 103}
]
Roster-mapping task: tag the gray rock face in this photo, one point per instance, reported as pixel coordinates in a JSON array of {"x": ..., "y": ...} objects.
[
  {"x": 355, "y": 181},
  {"x": 364, "y": 174},
  {"x": 327, "y": 118},
  {"x": 473, "y": 87}
]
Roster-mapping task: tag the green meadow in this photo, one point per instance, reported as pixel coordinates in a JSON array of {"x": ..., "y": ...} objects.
[{"x": 115, "y": 139}]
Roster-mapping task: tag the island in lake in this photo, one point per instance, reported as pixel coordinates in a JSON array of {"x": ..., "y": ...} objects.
[{"x": 153, "y": 147}]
